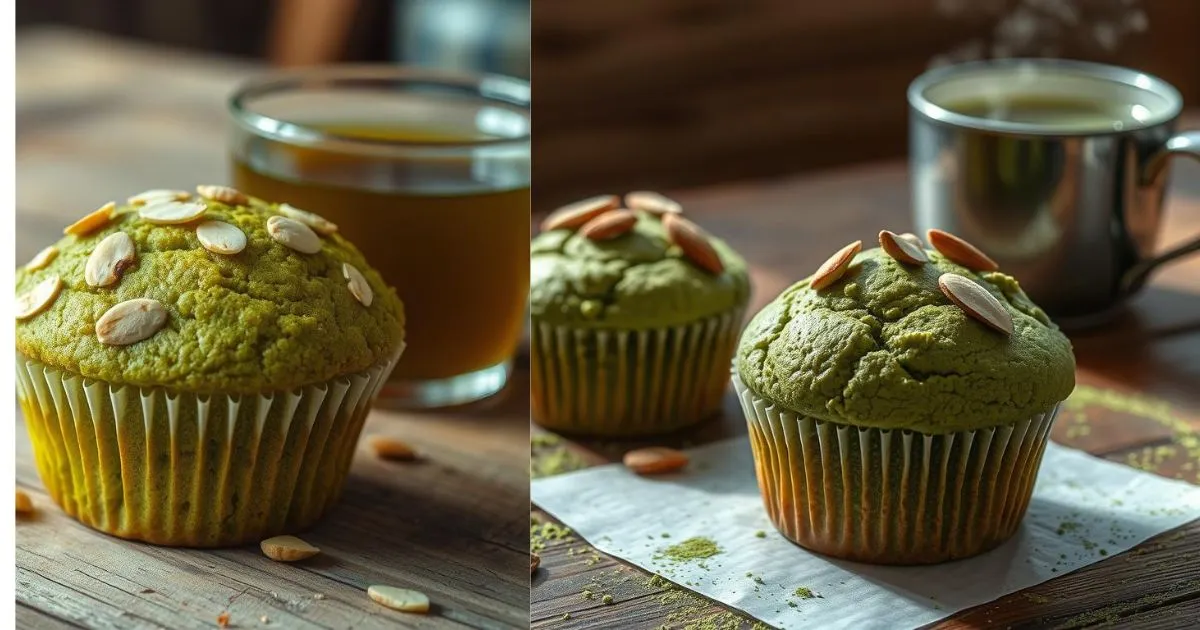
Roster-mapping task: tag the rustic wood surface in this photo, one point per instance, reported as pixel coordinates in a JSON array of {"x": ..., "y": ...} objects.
[
  {"x": 786, "y": 228},
  {"x": 98, "y": 120}
]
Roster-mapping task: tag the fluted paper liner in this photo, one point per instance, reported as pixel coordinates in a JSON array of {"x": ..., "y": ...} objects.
[
  {"x": 185, "y": 469},
  {"x": 892, "y": 496},
  {"x": 625, "y": 383}
]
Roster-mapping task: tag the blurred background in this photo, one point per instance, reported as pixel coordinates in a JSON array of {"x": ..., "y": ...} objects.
[
  {"x": 665, "y": 94},
  {"x": 480, "y": 35},
  {"x": 112, "y": 94}
]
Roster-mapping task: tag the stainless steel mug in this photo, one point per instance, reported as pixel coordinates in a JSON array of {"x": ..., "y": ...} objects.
[{"x": 1071, "y": 208}]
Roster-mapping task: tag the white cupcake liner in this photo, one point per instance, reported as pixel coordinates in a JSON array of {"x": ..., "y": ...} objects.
[
  {"x": 625, "y": 383},
  {"x": 185, "y": 469},
  {"x": 892, "y": 496}
]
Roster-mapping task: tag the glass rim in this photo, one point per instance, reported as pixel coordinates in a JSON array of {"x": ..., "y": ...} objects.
[
  {"x": 517, "y": 93},
  {"x": 930, "y": 111}
]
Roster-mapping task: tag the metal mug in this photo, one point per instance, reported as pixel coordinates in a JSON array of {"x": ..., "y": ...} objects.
[{"x": 1071, "y": 210}]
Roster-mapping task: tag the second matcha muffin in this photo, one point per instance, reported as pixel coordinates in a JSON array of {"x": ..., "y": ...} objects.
[
  {"x": 634, "y": 316},
  {"x": 899, "y": 402}
]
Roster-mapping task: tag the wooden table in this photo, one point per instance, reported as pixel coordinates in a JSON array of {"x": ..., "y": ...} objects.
[
  {"x": 98, "y": 120},
  {"x": 1150, "y": 358}
]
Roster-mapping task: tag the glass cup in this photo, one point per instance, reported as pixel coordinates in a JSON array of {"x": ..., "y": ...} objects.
[{"x": 428, "y": 174}]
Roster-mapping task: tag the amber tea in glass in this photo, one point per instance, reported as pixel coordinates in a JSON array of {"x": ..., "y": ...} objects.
[{"x": 428, "y": 174}]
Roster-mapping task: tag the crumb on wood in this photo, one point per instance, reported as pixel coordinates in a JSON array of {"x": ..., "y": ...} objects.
[
  {"x": 223, "y": 620},
  {"x": 319, "y": 596},
  {"x": 147, "y": 591},
  {"x": 264, "y": 619}
]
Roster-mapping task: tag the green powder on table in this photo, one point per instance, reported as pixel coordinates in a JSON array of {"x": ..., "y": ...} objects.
[
  {"x": 542, "y": 533},
  {"x": 607, "y": 599},
  {"x": 804, "y": 593},
  {"x": 696, "y": 548}
]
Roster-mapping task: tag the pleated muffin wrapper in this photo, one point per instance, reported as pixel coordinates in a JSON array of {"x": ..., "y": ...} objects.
[
  {"x": 195, "y": 470},
  {"x": 629, "y": 383},
  {"x": 892, "y": 496}
]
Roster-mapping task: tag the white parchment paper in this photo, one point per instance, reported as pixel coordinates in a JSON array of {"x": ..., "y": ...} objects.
[{"x": 1083, "y": 510}]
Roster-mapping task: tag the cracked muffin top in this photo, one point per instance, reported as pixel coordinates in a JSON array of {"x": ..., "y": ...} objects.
[
  {"x": 205, "y": 293},
  {"x": 627, "y": 269},
  {"x": 885, "y": 345}
]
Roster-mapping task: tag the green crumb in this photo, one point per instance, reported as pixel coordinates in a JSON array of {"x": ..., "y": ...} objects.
[
  {"x": 793, "y": 604},
  {"x": 657, "y": 581},
  {"x": 555, "y": 460},
  {"x": 607, "y": 599},
  {"x": 1035, "y": 598},
  {"x": 566, "y": 616},
  {"x": 587, "y": 594},
  {"x": 758, "y": 580},
  {"x": 760, "y": 534},
  {"x": 666, "y": 535},
  {"x": 696, "y": 548},
  {"x": 543, "y": 440},
  {"x": 749, "y": 574},
  {"x": 542, "y": 533},
  {"x": 1104, "y": 552},
  {"x": 805, "y": 593}
]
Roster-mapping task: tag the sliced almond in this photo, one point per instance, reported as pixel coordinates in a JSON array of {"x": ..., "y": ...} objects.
[
  {"x": 159, "y": 194},
  {"x": 902, "y": 249},
  {"x": 172, "y": 212},
  {"x": 392, "y": 449},
  {"x": 109, "y": 260},
  {"x": 535, "y": 561},
  {"x": 976, "y": 301},
  {"x": 39, "y": 298},
  {"x": 24, "y": 503},
  {"x": 960, "y": 251},
  {"x": 655, "y": 460},
  {"x": 220, "y": 237},
  {"x": 287, "y": 549},
  {"x": 611, "y": 224},
  {"x": 318, "y": 223},
  {"x": 396, "y": 598},
  {"x": 915, "y": 240},
  {"x": 358, "y": 285},
  {"x": 693, "y": 241},
  {"x": 95, "y": 220},
  {"x": 223, "y": 194},
  {"x": 131, "y": 321},
  {"x": 576, "y": 214},
  {"x": 294, "y": 234},
  {"x": 42, "y": 259},
  {"x": 652, "y": 202},
  {"x": 835, "y": 266}
]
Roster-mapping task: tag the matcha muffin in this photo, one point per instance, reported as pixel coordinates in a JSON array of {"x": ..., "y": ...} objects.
[
  {"x": 195, "y": 370},
  {"x": 899, "y": 402},
  {"x": 634, "y": 314}
]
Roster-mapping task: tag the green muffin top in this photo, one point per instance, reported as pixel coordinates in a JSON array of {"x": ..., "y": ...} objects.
[
  {"x": 885, "y": 346},
  {"x": 631, "y": 269},
  {"x": 215, "y": 293}
]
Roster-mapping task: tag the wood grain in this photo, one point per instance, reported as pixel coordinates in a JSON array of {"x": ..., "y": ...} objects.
[
  {"x": 786, "y": 228},
  {"x": 92, "y": 117}
]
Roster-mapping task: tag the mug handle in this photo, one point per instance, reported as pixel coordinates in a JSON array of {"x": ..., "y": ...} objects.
[{"x": 1185, "y": 143}]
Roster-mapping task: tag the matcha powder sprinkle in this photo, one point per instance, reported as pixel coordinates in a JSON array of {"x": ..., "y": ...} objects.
[{"x": 696, "y": 548}]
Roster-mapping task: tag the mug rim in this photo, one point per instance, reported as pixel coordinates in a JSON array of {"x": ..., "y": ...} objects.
[
  {"x": 496, "y": 88},
  {"x": 932, "y": 112}
]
